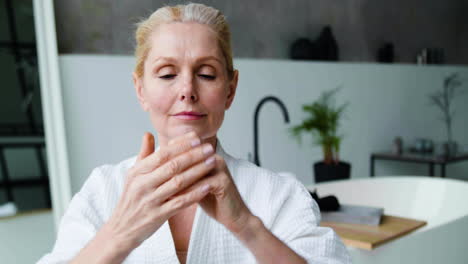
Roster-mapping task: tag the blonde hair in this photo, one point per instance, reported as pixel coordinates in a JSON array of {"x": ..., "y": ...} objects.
[{"x": 191, "y": 12}]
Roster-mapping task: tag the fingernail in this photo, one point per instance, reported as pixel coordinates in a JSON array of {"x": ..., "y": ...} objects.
[
  {"x": 196, "y": 142},
  {"x": 205, "y": 188},
  {"x": 208, "y": 149},
  {"x": 210, "y": 160}
]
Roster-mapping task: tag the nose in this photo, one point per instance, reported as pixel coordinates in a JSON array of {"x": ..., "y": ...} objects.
[
  {"x": 188, "y": 91},
  {"x": 192, "y": 97}
]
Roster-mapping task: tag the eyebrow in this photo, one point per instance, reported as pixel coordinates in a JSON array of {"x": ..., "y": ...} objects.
[{"x": 197, "y": 60}]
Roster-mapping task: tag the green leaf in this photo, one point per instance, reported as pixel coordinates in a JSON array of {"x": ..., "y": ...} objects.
[{"x": 322, "y": 120}]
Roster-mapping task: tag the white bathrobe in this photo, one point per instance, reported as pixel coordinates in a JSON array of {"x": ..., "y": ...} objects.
[{"x": 282, "y": 203}]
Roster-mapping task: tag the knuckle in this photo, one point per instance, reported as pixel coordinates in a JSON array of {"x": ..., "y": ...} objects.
[
  {"x": 178, "y": 182},
  {"x": 152, "y": 201},
  {"x": 138, "y": 190},
  {"x": 173, "y": 167},
  {"x": 145, "y": 204},
  {"x": 190, "y": 156},
  {"x": 179, "y": 203},
  {"x": 156, "y": 200}
]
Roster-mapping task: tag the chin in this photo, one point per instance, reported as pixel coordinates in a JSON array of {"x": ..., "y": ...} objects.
[{"x": 184, "y": 129}]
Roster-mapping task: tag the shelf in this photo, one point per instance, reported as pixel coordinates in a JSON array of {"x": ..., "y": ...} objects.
[{"x": 27, "y": 182}]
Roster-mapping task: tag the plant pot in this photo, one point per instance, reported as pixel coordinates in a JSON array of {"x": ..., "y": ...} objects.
[{"x": 329, "y": 172}]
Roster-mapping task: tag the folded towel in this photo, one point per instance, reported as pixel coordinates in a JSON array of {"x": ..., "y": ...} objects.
[
  {"x": 8, "y": 209},
  {"x": 355, "y": 214}
]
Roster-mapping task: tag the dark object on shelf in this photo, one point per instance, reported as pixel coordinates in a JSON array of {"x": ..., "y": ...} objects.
[
  {"x": 435, "y": 56},
  {"x": 257, "y": 110},
  {"x": 325, "y": 47},
  {"x": 423, "y": 145},
  {"x": 430, "y": 56},
  {"x": 301, "y": 49},
  {"x": 333, "y": 171},
  {"x": 450, "y": 148},
  {"x": 398, "y": 145},
  {"x": 326, "y": 204},
  {"x": 430, "y": 159},
  {"x": 386, "y": 53}
]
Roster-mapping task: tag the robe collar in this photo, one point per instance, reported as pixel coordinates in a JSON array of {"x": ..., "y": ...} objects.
[{"x": 200, "y": 229}]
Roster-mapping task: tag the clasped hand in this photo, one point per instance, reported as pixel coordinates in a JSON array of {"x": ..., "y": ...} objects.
[{"x": 162, "y": 183}]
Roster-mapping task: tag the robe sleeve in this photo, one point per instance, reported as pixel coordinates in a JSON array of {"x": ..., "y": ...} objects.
[
  {"x": 78, "y": 225},
  {"x": 297, "y": 225}
]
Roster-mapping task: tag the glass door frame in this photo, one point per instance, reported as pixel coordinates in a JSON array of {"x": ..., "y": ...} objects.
[{"x": 52, "y": 107}]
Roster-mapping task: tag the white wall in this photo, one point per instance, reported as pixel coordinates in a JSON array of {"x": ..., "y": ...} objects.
[{"x": 104, "y": 122}]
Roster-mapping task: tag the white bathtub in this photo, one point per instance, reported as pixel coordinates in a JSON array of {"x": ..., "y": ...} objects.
[{"x": 443, "y": 203}]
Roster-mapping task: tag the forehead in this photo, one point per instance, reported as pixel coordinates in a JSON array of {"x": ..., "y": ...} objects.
[{"x": 184, "y": 41}]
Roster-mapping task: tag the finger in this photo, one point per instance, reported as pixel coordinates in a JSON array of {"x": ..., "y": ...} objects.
[
  {"x": 179, "y": 164},
  {"x": 177, "y": 203},
  {"x": 147, "y": 146},
  {"x": 179, "y": 139},
  {"x": 218, "y": 179},
  {"x": 185, "y": 179},
  {"x": 158, "y": 158}
]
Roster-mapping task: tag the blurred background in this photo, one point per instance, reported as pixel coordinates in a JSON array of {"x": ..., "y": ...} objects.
[{"x": 390, "y": 61}]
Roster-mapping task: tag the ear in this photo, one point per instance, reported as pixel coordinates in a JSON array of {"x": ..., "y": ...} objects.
[
  {"x": 138, "y": 84},
  {"x": 232, "y": 89}
]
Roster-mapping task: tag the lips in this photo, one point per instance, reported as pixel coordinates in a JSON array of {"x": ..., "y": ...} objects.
[{"x": 190, "y": 115}]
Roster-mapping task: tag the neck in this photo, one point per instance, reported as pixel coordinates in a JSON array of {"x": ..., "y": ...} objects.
[{"x": 163, "y": 141}]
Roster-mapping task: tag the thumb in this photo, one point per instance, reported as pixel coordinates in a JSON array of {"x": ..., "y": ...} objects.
[{"x": 147, "y": 146}]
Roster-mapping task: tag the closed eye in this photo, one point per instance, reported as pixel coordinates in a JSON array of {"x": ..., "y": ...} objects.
[
  {"x": 167, "y": 76},
  {"x": 208, "y": 77}
]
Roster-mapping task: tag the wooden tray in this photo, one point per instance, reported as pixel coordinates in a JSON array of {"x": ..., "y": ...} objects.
[{"x": 368, "y": 237}]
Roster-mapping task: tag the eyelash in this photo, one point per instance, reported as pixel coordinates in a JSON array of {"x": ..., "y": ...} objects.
[{"x": 171, "y": 76}]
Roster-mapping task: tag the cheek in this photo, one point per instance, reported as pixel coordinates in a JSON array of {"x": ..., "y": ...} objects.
[
  {"x": 158, "y": 100},
  {"x": 216, "y": 101}
]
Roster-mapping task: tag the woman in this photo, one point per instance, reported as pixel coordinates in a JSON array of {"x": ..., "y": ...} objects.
[{"x": 189, "y": 201}]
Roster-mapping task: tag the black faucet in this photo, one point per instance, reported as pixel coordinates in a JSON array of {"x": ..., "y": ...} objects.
[{"x": 257, "y": 110}]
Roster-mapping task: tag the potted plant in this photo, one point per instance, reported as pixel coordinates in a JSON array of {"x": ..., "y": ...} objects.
[
  {"x": 443, "y": 99},
  {"x": 322, "y": 123}
]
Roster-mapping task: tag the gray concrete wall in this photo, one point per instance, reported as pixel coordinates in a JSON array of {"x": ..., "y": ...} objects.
[{"x": 266, "y": 29}]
